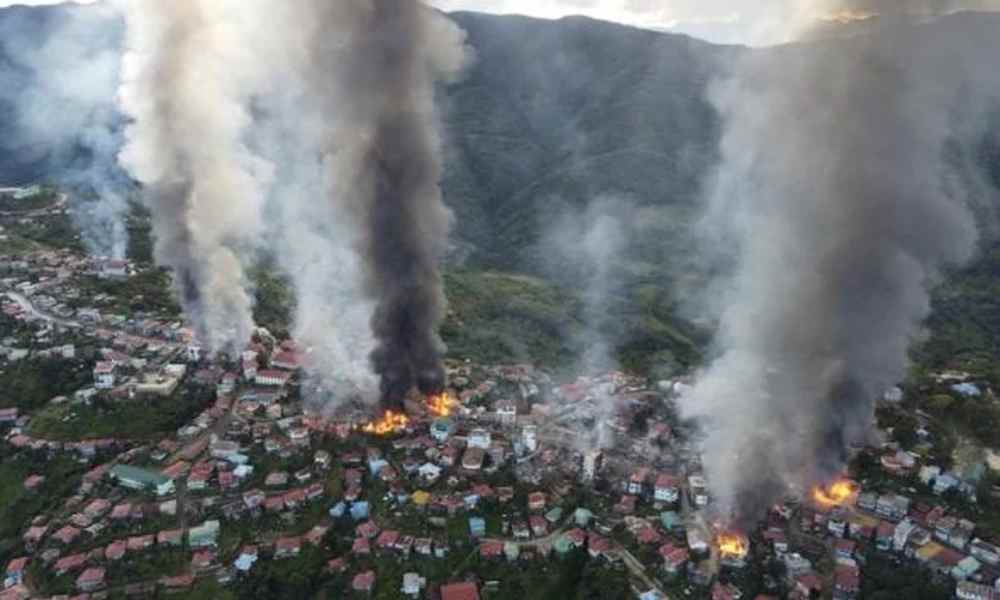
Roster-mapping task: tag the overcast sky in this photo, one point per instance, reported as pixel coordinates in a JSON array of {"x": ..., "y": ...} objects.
[{"x": 738, "y": 21}]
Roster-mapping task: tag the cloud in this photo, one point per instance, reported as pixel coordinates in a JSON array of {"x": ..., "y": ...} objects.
[
  {"x": 763, "y": 22},
  {"x": 4, "y": 4}
]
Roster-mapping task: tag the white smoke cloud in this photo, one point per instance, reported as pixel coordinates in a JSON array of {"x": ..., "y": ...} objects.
[{"x": 190, "y": 71}]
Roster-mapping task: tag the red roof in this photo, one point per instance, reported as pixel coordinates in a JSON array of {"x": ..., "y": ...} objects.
[
  {"x": 847, "y": 578},
  {"x": 288, "y": 544},
  {"x": 491, "y": 549},
  {"x": 17, "y": 565},
  {"x": 364, "y": 582},
  {"x": 179, "y": 581},
  {"x": 70, "y": 563},
  {"x": 387, "y": 539},
  {"x": 91, "y": 576},
  {"x": 459, "y": 591},
  {"x": 666, "y": 481},
  {"x": 361, "y": 546}
]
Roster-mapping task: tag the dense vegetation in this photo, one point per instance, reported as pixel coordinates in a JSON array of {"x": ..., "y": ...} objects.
[
  {"x": 44, "y": 198},
  {"x": 30, "y": 384},
  {"x": 139, "y": 418}
]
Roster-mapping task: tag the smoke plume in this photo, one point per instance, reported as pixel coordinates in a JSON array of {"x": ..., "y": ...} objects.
[
  {"x": 61, "y": 68},
  {"x": 189, "y": 72},
  {"x": 585, "y": 249},
  {"x": 836, "y": 190},
  {"x": 373, "y": 66}
]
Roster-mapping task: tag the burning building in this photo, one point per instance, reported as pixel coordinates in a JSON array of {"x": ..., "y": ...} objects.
[
  {"x": 842, "y": 492},
  {"x": 733, "y": 548}
]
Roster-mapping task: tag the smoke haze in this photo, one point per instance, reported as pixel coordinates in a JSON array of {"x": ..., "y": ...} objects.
[
  {"x": 187, "y": 78},
  {"x": 58, "y": 94},
  {"x": 835, "y": 189},
  {"x": 586, "y": 249}
]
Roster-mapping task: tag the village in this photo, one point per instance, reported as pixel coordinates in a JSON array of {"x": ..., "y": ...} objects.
[{"x": 503, "y": 480}]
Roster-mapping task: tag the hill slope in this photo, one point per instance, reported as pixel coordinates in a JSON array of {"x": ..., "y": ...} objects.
[{"x": 553, "y": 118}]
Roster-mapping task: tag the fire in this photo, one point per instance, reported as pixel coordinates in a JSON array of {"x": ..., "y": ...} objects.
[
  {"x": 733, "y": 545},
  {"x": 441, "y": 405},
  {"x": 391, "y": 422},
  {"x": 837, "y": 493}
]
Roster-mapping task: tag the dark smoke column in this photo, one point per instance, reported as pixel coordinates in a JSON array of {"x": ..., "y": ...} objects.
[{"x": 399, "y": 49}]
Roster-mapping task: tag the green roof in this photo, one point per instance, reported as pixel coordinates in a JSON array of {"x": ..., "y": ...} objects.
[{"x": 142, "y": 476}]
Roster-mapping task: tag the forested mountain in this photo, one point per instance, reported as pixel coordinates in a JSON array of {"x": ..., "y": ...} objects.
[{"x": 552, "y": 119}]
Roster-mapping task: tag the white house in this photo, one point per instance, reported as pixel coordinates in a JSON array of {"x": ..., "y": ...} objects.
[
  {"x": 479, "y": 438},
  {"x": 412, "y": 584},
  {"x": 666, "y": 489},
  {"x": 506, "y": 413},
  {"x": 104, "y": 375},
  {"x": 272, "y": 378}
]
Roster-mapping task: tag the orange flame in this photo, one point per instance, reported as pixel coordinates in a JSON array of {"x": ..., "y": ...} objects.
[
  {"x": 441, "y": 405},
  {"x": 837, "y": 493},
  {"x": 391, "y": 422},
  {"x": 733, "y": 545}
]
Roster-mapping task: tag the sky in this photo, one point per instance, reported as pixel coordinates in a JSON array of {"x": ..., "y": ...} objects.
[{"x": 754, "y": 22}]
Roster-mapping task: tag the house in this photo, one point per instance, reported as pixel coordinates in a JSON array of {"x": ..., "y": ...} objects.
[
  {"x": 473, "y": 458},
  {"x": 460, "y": 591},
  {"x": 8, "y": 416},
  {"x": 387, "y": 540},
  {"x": 287, "y": 360},
  {"x": 361, "y": 547},
  {"x": 139, "y": 543},
  {"x": 104, "y": 375},
  {"x": 33, "y": 482},
  {"x": 322, "y": 459},
  {"x": 429, "y": 472},
  {"x": 413, "y": 584},
  {"x": 808, "y": 584},
  {"x": 674, "y": 558},
  {"x": 204, "y": 535},
  {"x": 884, "y": 536},
  {"x": 272, "y": 378},
  {"x": 70, "y": 563},
  {"x": 15, "y": 572},
  {"x": 536, "y": 501},
  {"x": 91, "y": 580},
  {"x": 722, "y": 591},
  {"x": 598, "y": 546},
  {"x": 636, "y": 483},
  {"x": 202, "y": 560},
  {"x": 506, "y": 413},
  {"x": 67, "y": 535},
  {"x": 116, "y": 550},
  {"x": 984, "y": 551},
  {"x": 142, "y": 479},
  {"x": 479, "y": 438},
  {"x": 846, "y": 582},
  {"x": 538, "y": 525},
  {"x": 287, "y": 547},
  {"x": 967, "y": 590},
  {"x": 666, "y": 489},
  {"x": 34, "y": 536},
  {"x": 170, "y": 537},
  {"x": 368, "y": 530},
  {"x": 845, "y": 549},
  {"x": 441, "y": 429},
  {"x": 892, "y": 506},
  {"x": 477, "y": 527},
  {"x": 178, "y": 583},
  {"x": 491, "y": 550},
  {"x": 902, "y": 534},
  {"x": 364, "y": 582}
]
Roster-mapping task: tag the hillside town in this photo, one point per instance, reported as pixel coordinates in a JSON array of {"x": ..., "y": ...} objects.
[
  {"x": 159, "y": 470},
  {"x": 499, "y": 476}
]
